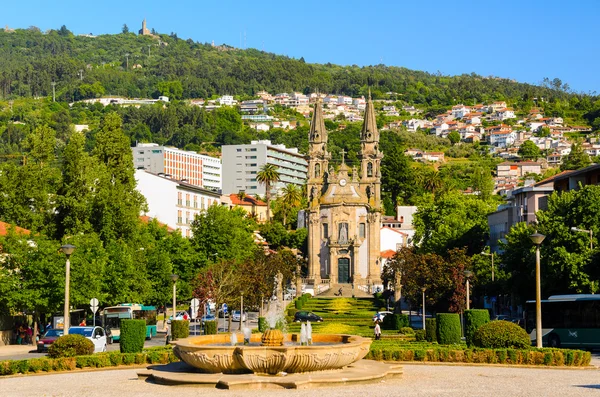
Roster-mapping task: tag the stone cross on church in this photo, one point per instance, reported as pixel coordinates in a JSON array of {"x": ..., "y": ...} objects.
[{"x": 344, "y": 215}]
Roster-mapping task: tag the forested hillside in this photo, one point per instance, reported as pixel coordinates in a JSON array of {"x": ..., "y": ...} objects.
[{"x": 87, "y": 67}]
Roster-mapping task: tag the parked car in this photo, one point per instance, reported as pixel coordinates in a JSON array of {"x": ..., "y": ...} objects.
[
  {"x": 95, "y": 334},
  {"x": 306, "y": 316},
  {"x": 49, "y": 337},
  {"x": 380, "y": 315},
  {"x": 182, "y": 315},
  {"x": 235, "y": 316}
]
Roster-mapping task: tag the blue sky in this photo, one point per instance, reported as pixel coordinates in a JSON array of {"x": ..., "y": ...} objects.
[{"x": 525, "y": 40}]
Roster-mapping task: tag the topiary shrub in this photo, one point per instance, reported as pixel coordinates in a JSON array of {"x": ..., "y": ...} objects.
[
  {"x": 395, "y": 321},
  {"x": 448, "y": 328},
  {"x": 291, "y": 312},
  {"x": 407, "y": 331},
  {"x": 180, "y": 329},
  {"x": 501, "y": 334},
  {"x": 133, "y": 334},
  {"x": 70, "y": 346},
  {"x": 210, "y": 328},
  {"x": 419, "y": 335},
  {"x": 430, "y": 330},
  {"x": 262, "y": 323},
  {"x": 299, "y": 303},
  {"x": 474, "y": 319}
]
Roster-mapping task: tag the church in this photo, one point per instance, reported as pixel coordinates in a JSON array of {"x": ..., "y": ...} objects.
[{"x": 344, "y": 209}]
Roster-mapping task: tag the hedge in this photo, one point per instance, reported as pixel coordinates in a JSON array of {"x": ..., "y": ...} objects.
[
  {"x": 180, "y": 329},
  {"x": 420, "y": 335},
  {"x": 133, "y": 335},
  {"x": 430, "y": 330},
  {"x": 70, "y": 346},
  {"x": 210, "y": 328},
  {"x": 448, "y": 328},
  {"x": 299, "y": 303},
  {"x": 100, "y": 360},
  {"x": 474, "y": 319},
  {"x": 262, "y": 324},
  {"x": 501, "y": 334},
  {"x": 395, "y": 321},
  {"x": 419, "y": 352}
]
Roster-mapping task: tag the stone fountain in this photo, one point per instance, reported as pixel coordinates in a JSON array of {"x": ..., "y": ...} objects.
[{"x": 273, "y": 359}]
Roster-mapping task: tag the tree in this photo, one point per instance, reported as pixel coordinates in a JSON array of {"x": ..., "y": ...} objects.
[
  {"x": 577, "y": 159},
  {"x": 398, "y": 177},
  {"x": 529, "y": 151},
  {"x": 454, "y": 137},
  {"x": 268, "y": 175},
  {"x": 291, "y": 199},
  {"x": 63, "y": 31},
  {"x": 125, "y": 29}
]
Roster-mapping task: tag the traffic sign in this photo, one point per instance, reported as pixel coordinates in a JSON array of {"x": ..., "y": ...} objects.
[
  {"x": 224, "y": 307},
  {"x": 195, "y": 305},
  {"x": 94, "y": 305}
]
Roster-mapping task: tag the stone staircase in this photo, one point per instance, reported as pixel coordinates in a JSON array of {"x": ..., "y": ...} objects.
[{"x": 347, "y": 292}]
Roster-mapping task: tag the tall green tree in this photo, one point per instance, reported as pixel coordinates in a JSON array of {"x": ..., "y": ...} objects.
[
  {"x": 291, "y": 199},
  {"x": 268, "y": 175},
  {"x": 577, "y": 159},
  {"x": 529, "y": 151}
]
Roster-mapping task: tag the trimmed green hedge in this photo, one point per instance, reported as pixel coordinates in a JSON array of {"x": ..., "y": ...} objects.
[
  {"x": 501, "y": 334},
  {"x": 133, "y": 335},
  {"x": 448, "y": 328},
  {"x": 262, "y": 324},
  {"x": 435, "y": 353},
  {"x": 395, "y": 321},
  {"x": 291, "y": 312},
  {"x": 210, "y": 328},
  {"x": 159, "y": 355},
  {"x": 70, "y": 346},
  {"x": 180, "y": 329},
  {"x": 474, "y": 319},
  {"x": 299, "y": 303},
  {"x": 430, "y": 330},
  {"x": 419, "y": 335}
]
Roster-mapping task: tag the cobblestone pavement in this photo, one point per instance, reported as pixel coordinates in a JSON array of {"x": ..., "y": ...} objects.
[{"x": 418, "y": 380}]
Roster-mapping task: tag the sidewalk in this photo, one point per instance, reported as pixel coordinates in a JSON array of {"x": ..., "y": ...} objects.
[{"x": 11, "y": 350}]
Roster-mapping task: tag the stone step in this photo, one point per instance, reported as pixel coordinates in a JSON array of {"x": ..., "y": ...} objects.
[{"x": 347, "y": 292}]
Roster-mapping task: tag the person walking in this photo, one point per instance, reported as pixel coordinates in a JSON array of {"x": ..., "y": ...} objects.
[
  {"x": 377, "y": 330},
  {"x": 168, "y": 336}
]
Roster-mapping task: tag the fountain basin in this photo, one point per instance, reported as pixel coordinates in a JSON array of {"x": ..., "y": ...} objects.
[{"x": 208, "y": 354}]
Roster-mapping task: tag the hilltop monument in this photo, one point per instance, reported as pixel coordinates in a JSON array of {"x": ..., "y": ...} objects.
[
  {"x": 344, "y": 215},
  {"x": 144, "y": 31}
]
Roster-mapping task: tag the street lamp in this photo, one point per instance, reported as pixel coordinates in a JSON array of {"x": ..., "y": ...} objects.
[
  {"x": 492, "y": 255},
  {"x": 423, "y": 289},
  {"x": 67, "y": 249},
  {"x": 576, "y": 229},
  {"x": 537, "y": 239},
  {"x": 468, "y": 274},
  {"x": 174, "y": 278}
]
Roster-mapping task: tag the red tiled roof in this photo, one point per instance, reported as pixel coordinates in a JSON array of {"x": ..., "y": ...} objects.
[
  {"x": 148, "y": 219},
  {"x": 387, "y": 254},
  {"x": 248, "y": 200},
  {"x": 5, "y": 226}
]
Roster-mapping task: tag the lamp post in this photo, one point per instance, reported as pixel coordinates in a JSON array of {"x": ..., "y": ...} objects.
[
  {"x": 576, "y": 229},
  {"x": 174, "y": 278},
  {"x": 468, "y": 275},
  {"x": 537, "y": 239},
  {"x": 492, "y": 255},
  {"x": 67, "y": 249},
  {"x": 423, "y": 289}
]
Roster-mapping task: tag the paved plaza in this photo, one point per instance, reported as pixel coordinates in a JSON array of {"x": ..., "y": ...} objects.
[{"x": 418, "y": 380}]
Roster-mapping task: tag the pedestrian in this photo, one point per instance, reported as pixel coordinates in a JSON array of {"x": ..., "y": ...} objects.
[
  {"x": 168, "y": 336},
  {"x": 82, "y": 323},
  {"x": 377, "y": 330},
  {"x": 28, "y": 335}
]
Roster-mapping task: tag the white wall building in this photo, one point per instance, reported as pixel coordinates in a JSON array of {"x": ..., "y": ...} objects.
[
  {"x": 191, "y": 167},
  {"x": 227, "y": 100},
  {"x": 173, "y": 202}
]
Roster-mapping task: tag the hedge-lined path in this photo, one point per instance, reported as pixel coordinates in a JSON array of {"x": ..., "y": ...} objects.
[{"x": 418, "y": 380}]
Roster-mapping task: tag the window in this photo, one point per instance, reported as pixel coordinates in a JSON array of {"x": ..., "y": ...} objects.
[
  {"x": 317, "y": 170},
  {"x": 202, "y": 203},
  {"x": 325, "y": 230},
  {"x": 187, "y": 218},
  {"x": 187, "y": 200},
  {"x": 369, "y": 169},
  {"x": 250, "y": 157},
  {"x": 179, "y": 198},
  {"x": 238, "y": 150},
  {"x": 361, "y": 230},
  {"x": 195, "y": 201},
  {"x": 179, "y": 220}
]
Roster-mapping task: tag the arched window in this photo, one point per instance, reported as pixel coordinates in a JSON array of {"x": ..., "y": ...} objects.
[
  {"x": 369, "y": 169},
  {"x": 317, "y": 170}
]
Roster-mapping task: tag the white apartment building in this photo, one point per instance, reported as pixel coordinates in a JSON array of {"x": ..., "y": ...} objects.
[
  {"x": 172, "y": 202},
  {"x": 227, "y": 100},
  {"x": 241, "y": 164},
  {"x": 191, "y": 167}
]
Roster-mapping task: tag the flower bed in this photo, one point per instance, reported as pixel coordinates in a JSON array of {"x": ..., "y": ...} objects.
[
  {"x": 158, "y": 355},
  {"x": 398, "y": 351}
]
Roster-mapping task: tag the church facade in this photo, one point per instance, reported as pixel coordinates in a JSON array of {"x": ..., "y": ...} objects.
[{"x": 344, "y": 214}]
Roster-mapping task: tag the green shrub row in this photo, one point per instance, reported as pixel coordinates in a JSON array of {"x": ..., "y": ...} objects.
[
  {"x": 448, "y": 328},
  {"x": 395, "y": 321},
  {"x": 474, "y": 319},
  {"x": 300, "y": 301},
  {"x": 210, "y": 327},
  {"x": 420, "y": 335},
  {"x": 430, "y": 330},
  {"x": 548, "y": 357},
  {"x": 133, "y": 335},
  {"x": 262, "y": 324},
  {"x": 70, "y": 346},
  {"x": 100, "y": 360},
  {"x": 501, "y": 334},
  {"x": 180, "y": 329}
]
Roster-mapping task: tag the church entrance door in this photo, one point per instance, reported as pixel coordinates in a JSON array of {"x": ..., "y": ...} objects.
[{"x": 343, "y": 270}]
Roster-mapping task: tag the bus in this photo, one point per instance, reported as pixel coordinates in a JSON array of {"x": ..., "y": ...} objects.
[
  {"x": 570, "y": 321},
  {"x": 112, "y": 317}
]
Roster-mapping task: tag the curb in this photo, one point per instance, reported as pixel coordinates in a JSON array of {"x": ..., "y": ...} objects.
[
  {"x": 77, "y": 370},
  {"x": 587, "y": 368}
]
